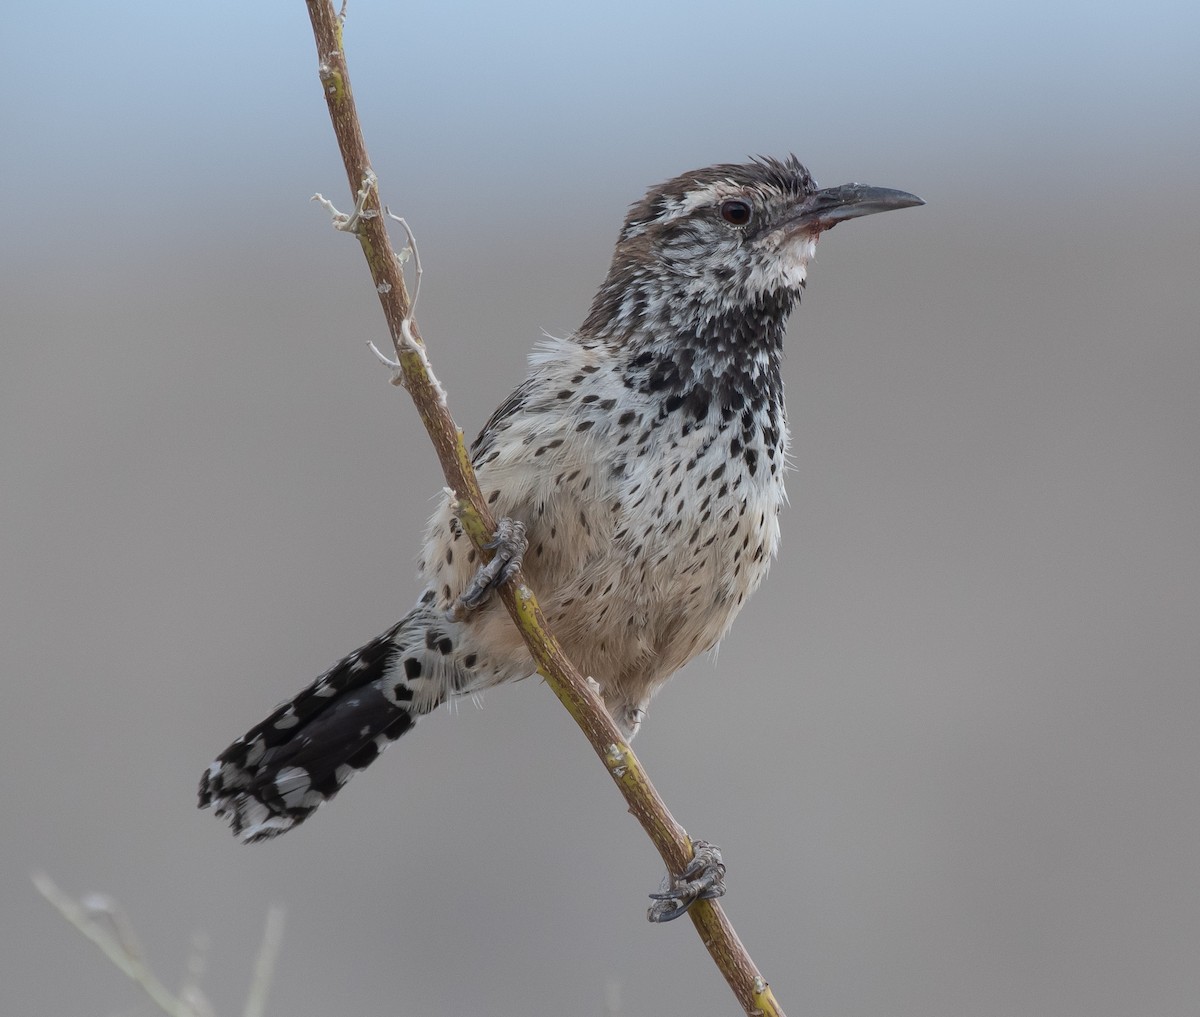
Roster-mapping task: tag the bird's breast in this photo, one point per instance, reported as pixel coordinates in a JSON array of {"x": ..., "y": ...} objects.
[{"x": 651, "y": 536}]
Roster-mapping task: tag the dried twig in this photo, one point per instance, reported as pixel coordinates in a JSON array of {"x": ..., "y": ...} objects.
[
  {"x": 414, "y": 372},
  {"x": 100, "y": 919}
]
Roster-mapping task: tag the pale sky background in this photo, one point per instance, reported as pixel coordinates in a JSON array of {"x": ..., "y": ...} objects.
[{"x": 951, "y": 748}]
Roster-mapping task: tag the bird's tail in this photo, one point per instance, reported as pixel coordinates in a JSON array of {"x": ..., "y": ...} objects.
[{"x": 277, "y": 773}]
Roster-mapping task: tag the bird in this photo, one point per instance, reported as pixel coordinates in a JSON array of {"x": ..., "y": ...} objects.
[{"x": 638, "y": 476}]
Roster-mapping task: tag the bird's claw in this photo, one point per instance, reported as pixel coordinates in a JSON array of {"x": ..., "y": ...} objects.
[
  {"x": 509, "y": 544},
  {"x": 702, "y": 879}
]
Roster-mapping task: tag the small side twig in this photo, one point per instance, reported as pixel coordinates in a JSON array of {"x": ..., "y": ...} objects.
[
  {"x": 411, "y": 246},
  {"x": 573, "y": 690},
  {"x": 350, "y": 223}
]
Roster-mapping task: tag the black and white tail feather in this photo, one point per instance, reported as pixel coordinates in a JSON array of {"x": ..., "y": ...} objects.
[{"x": 276, "y": 774}]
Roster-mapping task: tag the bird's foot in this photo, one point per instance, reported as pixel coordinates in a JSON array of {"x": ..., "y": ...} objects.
[
  {"x": 703, "y": 879},
  {"x": 509, "y": 544},
  {"x": 628, "y": 719}
]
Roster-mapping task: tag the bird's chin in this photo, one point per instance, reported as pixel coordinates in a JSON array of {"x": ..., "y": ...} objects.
[{"x": 787, "y": 268}]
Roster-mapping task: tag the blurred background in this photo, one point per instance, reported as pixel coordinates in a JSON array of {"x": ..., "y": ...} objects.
[{"x": 950, "y": 751}]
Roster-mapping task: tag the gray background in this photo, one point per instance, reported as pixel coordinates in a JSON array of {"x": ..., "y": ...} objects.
[{"x": 950, "y": 750}]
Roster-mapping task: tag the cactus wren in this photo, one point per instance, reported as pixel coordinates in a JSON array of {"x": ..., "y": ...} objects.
[{"x": 639, "y": 472}]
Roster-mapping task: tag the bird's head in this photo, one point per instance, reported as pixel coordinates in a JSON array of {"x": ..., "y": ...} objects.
[{"x": 715, "y": 240}]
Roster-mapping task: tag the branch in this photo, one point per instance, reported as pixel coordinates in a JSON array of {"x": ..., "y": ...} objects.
[{"x": 414, "y": 373}]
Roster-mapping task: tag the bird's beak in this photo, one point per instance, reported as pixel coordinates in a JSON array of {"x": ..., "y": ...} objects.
[{"x": 824, "y": 209}]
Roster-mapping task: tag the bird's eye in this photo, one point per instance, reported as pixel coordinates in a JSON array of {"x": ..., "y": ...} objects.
[{"x": 736, "y": 212}]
